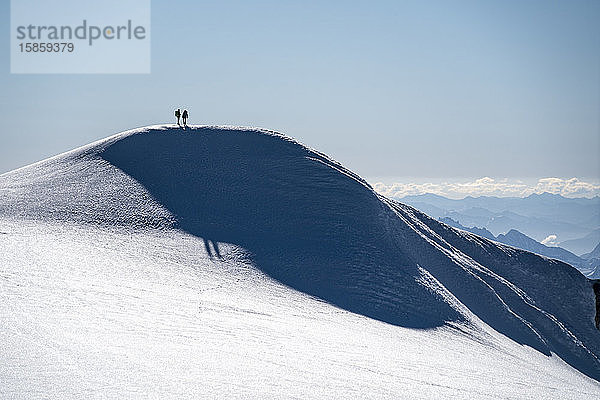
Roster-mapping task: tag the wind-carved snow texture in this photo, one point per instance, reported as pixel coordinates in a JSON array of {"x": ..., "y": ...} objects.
[{"x": 233, "y": 261}]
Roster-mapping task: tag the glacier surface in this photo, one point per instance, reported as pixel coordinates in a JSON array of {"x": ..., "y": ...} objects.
[{"x": 227, "y": 261}]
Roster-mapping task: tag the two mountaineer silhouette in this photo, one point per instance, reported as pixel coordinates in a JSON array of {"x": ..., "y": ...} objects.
[{"x": 183, "y": 116}]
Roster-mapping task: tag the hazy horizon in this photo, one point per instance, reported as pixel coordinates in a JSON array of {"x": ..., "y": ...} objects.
[
  {"x": 498, "y": 89},
  {"x": 459, "y": 188}
]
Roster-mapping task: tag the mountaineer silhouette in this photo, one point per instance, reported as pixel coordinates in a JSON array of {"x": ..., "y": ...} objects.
[
  {"x": 178, "y": 115},
  {"x": 185, "y": 116}
]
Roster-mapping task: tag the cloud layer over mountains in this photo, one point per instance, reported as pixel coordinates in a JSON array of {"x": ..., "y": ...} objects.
[{"x": 487, "y": 186}]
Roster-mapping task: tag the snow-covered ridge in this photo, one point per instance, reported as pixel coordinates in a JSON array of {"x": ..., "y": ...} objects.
[{"x": 313, "y": 225}]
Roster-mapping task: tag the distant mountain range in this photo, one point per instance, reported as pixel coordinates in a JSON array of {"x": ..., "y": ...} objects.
[
  {"x": 574, "y": 221},
  {"x": 588, "y": 264}
]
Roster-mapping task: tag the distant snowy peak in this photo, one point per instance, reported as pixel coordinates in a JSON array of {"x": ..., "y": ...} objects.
[
  {"x": 593, "y": 254},
  {"x": 478, "y": 231}
]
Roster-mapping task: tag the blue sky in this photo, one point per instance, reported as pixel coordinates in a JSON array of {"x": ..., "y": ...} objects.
[{"x": 436, "y": 89}]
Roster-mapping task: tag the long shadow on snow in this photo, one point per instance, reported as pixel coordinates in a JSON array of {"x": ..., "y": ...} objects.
[
  {"x": 316, "y": 227},
  {"x": 307, "y": 224}
]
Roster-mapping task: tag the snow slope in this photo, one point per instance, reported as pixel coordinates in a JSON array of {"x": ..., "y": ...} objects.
[{"x": 232, "y": 261}]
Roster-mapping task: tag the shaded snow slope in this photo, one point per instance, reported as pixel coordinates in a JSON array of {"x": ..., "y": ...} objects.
[
  {"x": 94, "y": 313},
  {"x": 255, "y": 200}
]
